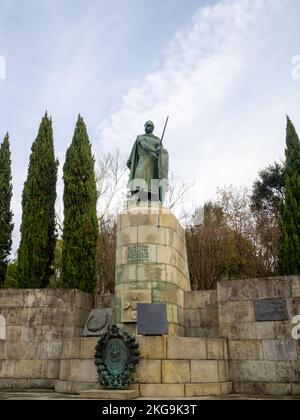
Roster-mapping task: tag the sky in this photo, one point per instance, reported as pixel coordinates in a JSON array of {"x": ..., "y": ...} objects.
[{"x": 225, "y": 71}]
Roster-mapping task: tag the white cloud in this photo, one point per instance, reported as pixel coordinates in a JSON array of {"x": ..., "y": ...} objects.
[{"x": 203, "y": 85}]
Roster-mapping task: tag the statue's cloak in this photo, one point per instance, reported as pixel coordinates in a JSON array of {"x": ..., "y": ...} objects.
[{"x": 162, "y": 169}]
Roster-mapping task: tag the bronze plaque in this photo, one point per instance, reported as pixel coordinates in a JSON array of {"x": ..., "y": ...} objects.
[
  {"x": 138, "y": 253},
  {"x": 270, "y": 310}
]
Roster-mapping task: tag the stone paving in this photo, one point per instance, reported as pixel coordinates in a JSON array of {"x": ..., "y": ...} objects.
[{"x": 50, "y": 395}]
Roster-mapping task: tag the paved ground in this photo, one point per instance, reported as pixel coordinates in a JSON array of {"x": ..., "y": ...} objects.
[{"x": 50, "y": 395}]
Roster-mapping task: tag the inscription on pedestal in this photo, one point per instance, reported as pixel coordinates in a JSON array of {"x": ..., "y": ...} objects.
[
  {"x": 138, "y": 253},
  {"x": 270, "y": 310}
]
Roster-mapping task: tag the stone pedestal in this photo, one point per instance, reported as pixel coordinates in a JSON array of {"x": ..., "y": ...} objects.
[{"x": 151, "y": 265}]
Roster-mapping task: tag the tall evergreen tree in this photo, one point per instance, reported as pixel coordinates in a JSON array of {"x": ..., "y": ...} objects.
[
  {"x": 291, "y": 209},
  {"x": 6, "y": 225},
  {"x": 38, "y": 236},
  {"x": 80, "y": 216}
]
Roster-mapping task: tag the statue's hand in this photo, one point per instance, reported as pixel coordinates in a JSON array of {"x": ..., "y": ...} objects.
[{"x": 158, "y": 150}]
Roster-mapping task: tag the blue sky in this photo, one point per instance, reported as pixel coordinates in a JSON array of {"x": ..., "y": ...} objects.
[{"x": 221, "y": 69}]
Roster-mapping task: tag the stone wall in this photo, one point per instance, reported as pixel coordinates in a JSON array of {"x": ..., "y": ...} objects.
[
  {"x": 169, "y": 367},
  {"x": 263, "y": 356},
  {"x": 201, "y": 317},
  {"x": 37, "y": 321}
]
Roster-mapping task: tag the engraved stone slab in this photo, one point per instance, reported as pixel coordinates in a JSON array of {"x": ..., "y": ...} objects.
[
  {"x": 138, "y": 253},
  {"x": 270, "y": 310},
  {"x": 152, "y": 319},
  {"x": 97, "y": 322},
  {"x": 129, "y": 303}
]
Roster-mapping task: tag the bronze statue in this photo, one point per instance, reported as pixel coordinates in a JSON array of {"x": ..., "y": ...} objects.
[{"x": 149, "y": 167}]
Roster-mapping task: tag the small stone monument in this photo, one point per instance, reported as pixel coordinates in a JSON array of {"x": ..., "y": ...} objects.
[{"x": 151, "y": 257}]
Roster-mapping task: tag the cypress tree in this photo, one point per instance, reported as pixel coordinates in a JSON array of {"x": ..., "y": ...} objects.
[
  {"x": 6, "y": 225},
  {"x": 291, "y": 207},
  {"x": 80, "y": 217},
  {"x": 38, "y": 235}
]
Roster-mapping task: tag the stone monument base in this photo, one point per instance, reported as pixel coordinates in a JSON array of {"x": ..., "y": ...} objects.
[
  {"x": 169, "y": 367},
  {"x": 151, "y": 265}
]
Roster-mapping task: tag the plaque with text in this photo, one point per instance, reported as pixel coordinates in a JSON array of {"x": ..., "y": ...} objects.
[
  {"x": 270, "y": 310},
  {"x": 152, "y": 319},
  {"x": 138, "y": 253}
]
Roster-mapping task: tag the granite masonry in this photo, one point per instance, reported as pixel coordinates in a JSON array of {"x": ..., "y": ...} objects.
[{"x": 227, "y": 346}]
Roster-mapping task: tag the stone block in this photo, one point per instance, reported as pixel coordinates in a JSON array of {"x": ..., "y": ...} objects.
[
  {"x": 83, "y": 370},
  {"x": 162, "y": 390},
  {"x": 204, "y": 318},
  {"x": 226, "y": 388},
  {"x": 83, "y": 300},
  {"x": 11, "y": 298},
  {"x": 64, "y": 370},
  {"x": 152, "y": 347},
  {"x": 249, "y": 330},
  {"x": 204, "y": 371},
  {"x": 209, "y": 332},
  {"x": 200, "y": 299},
  {"x": 151, "y": 272},
  {"x": 223, "y": 370},
  {"x": 204, "y": 389},
  {"x": 15, "y": 316},
  {"x": 232, "y": 312},
  {"x": 63, "y": 387},
  {"x": 71, "y": 348},
  {"x": 127, "y": 236},
  {"x": 3, "y": 350},
  {"x": 78, "y": 387},
  {"x": 262, "y": 388},
  {"x": 176, "y": 371},
  {"x": 53, "y": 369},
  {"x": 127, "y": 274},
  {"x": 31, "y": 369},
  {"x": 9, "y": 383},
  {"x": 245, "y": 350},
  {"x": 293, "y": 307},
  {"x": 295, "y": 286},
  {"x": 286, "y": 371},
  {"x": 13, "y": 333},
  {"x": 252, "y": 371},
  {"x": 175, "y": 330},
  {"x": 215, "y": 349},
  {"x": 167, "y": 255},
  {"x": 252, "y": 289},
  {"x": 7, "y": 369},
  {"x": 284, "y": 329},
  {"x": 19, "y": 350},
  {"x": 136, "y": 219},
  {"x": 171, "y": 238},
  {"x": 80, "y": 317},
  {"x": 186, "y": 348},
  {"x": 87, "y": 347},
  {"x": 150, "y": 235},
  {"x": 280, "y": 349},
  {"x": 148, "y": 371},
  {"x": 169, "y": 221},
  {"x": 109, "y": 394},
  {"x": 296, "y": 389}
]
